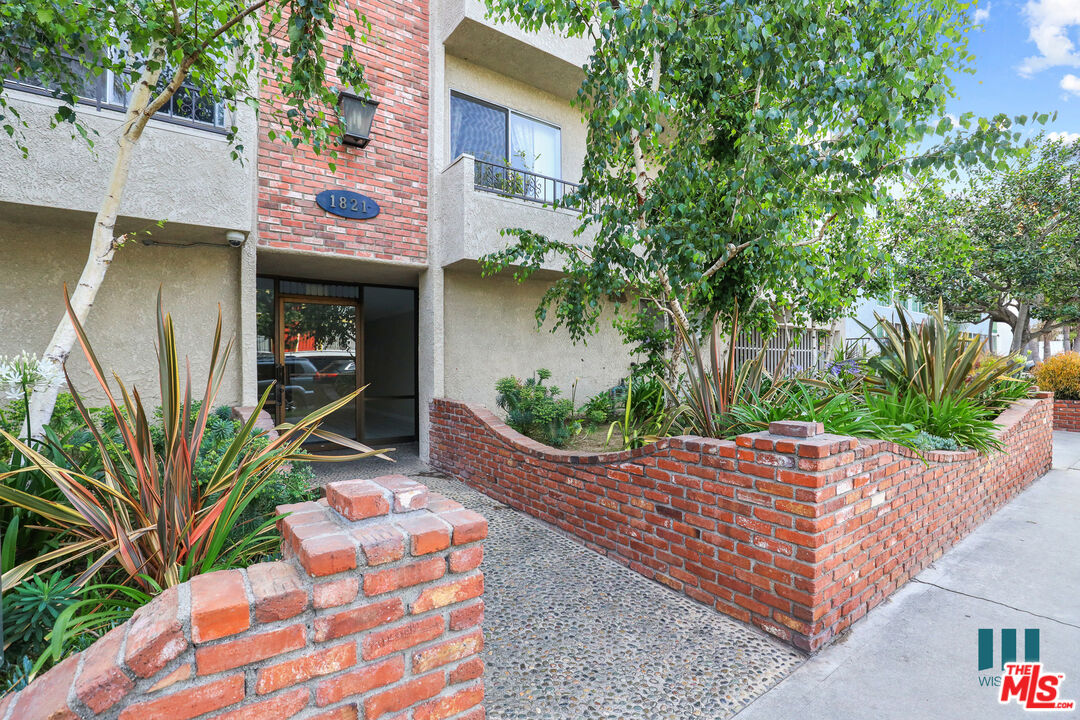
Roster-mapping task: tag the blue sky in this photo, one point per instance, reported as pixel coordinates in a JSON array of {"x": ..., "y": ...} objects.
[{"x": 1027, "y": 59}]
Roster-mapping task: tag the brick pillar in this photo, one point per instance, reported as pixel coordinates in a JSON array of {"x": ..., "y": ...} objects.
[
  {"x": 806, "y": 510},
  {"x": 375, "y": 612}
]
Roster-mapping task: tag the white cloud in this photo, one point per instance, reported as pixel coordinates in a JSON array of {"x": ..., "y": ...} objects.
[
  {"x": 981, "y": 15},
  {"x": 1050, "y": 25},
  {"x": 1069, "y": 137},
  {"x": 1071, "y": 84}
]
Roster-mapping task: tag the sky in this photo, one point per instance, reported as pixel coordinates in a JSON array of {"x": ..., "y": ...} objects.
[{"x": 1027, "y": 60}]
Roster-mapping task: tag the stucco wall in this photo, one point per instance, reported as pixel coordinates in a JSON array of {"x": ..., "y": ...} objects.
[
  {"x": 470, "y": 222},
  {"x": 192, "y": 165},
  {"x": 491, "y": 333},
  {"x": 39, "y": 259}
]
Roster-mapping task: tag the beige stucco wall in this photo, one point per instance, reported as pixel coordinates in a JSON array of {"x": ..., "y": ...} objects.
[
  {"x": 543, "y": 59},
  {"x": 178, "y": 174},
  {"x": 491, "y": 333},
  {"x": 35, "y": 261}
]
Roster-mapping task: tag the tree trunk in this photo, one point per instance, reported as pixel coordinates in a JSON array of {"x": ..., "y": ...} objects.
[
  {"x": 1033, "y": 350},
  {"x": 1076, "y": 340},
  {"x": 1047, "y": 351},
  {"x": 102, "y": 248},
  {"x": 1021, "y": 335}
]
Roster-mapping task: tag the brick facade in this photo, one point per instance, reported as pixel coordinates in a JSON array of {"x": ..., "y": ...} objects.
[
  {"x": 797, "y": 531},
  {"x": 1067, "y": 415},
  {"x": 392, "y": 169},
  {"x": 374, "y": 613}
]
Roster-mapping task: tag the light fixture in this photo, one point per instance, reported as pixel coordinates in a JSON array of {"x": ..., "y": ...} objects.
[{"x": 356, "y": 113}]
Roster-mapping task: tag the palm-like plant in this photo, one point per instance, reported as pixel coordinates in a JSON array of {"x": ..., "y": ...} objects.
[
  {"x": 145, "y": 508},
  {"x": 933, "y": 358}
]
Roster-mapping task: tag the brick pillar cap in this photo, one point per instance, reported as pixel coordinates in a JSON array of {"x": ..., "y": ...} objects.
[
  {"x": 796, "y": 428},
  {"x": 1042, "y": 393},
  {"x": 370, "y": 522}
]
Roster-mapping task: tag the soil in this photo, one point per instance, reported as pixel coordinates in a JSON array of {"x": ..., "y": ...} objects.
[{"x": 594, "y": 440}]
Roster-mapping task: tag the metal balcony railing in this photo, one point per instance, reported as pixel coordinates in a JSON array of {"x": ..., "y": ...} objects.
[
  {"x": 188, "y": 106},
  {"x": 523, "y": 185}
]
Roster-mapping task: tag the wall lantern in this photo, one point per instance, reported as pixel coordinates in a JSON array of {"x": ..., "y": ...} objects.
[{"x": 357, "y": 114}]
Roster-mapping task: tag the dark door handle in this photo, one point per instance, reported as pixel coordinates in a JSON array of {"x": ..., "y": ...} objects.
[{"x": 279, "y": 384}]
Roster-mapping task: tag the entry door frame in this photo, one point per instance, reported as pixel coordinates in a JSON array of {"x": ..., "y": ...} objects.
[
  {"x": 279, "y": 344},
  {"x": 358, "y": 349}
]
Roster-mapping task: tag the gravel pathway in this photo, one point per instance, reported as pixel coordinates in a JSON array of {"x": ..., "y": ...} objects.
[{"x": 572, "y": 635}]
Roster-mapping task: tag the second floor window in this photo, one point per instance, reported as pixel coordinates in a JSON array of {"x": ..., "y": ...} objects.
[
  {"x": 188, "y": 106},
  {"x": 500, "y": 136}
]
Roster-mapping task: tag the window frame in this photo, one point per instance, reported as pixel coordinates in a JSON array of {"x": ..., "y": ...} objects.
[
  {"x": 107, "y": 103},
  {"x": 509, "y": 112}
]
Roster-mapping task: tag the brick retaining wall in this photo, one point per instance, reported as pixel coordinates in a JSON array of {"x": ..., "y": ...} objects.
[
  {"x": 375, "y": 611},
  {"x": 797, "y": 531},
  {"x": 1067, "y": 415}
]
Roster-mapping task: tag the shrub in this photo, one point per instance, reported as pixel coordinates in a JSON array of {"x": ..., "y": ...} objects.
[
  {"x": 1061, "y": 374},
  {"x": 1005, "y": 392},
  {"x": 713, "y": 382},
  {"x": 535, "y": 409},
  {"x": 645, "y": 418},
  {"x": 601, "y": 408},
  {"x": 148, "y": 512}
]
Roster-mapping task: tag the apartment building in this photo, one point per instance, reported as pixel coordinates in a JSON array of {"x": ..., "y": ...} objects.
[{"x": 366, "y": 276}]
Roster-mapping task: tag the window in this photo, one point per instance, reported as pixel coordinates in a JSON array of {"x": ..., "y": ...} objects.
[
  {"x": 188, "y": 106},
  {"x": 517, "y": 155}
]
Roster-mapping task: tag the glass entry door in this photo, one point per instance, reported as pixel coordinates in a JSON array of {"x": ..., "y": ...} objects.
[
  {"x": 319, "y": 341},
  {"x": 318, "y": 360}
]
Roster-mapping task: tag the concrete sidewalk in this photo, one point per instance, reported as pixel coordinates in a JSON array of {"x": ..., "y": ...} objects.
[{"x": 916, "y": 655}]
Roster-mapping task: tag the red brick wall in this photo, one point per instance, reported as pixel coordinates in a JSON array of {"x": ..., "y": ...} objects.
[
  {"x": 1067, "y": 415},
  {"x": 376, "y": 611},
  {"x": 392, "y": 169},
  {"x": 799, "y": 535}
]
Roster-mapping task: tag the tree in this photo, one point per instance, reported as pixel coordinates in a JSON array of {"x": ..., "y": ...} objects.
[
  {"x": 735, "y": 146},
  {"x": 157, "y": 50},
  {"x": 1004, "y": 246}
]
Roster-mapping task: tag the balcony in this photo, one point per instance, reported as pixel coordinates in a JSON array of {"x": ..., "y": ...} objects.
[
  {"x": 541, "y": 59},
  {"x": 521, "y": 184},
  {"x": 479, "y": 199}
]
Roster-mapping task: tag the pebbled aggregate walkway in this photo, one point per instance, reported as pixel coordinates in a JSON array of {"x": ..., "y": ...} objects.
[{"x": 572, "y": 635}]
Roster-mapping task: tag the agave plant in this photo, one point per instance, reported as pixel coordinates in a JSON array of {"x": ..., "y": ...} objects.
[
  {"x": 145, "y": 508},
  {"x": 933, "y": 358}
]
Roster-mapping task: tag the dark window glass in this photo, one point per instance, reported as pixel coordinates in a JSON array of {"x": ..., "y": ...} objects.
[
  {"x": 477, "y": 129},
  {"x": 106, "y": 89},
  {"x": 389, "y": 362}
]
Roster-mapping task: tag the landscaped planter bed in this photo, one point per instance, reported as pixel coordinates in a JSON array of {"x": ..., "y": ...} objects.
[{"x": 797, "y": 531}]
